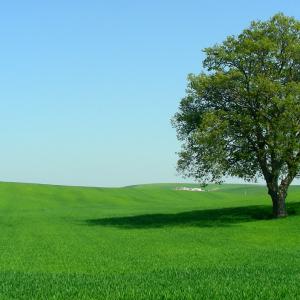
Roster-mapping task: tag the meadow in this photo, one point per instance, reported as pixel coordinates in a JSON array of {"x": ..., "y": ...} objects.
[{"x": 147, "y": 242}]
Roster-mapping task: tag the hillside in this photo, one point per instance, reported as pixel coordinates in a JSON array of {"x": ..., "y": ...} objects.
[{"x": 147, "y": 242}]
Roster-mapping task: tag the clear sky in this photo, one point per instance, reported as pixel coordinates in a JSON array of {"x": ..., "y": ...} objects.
[{"x": 88, "y": 87}]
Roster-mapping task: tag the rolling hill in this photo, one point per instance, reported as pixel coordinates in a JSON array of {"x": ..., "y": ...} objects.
[{"x": 147, "y": 242}]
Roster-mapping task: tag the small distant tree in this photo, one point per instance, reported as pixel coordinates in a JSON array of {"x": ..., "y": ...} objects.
[{"x": 242, "y": 116}]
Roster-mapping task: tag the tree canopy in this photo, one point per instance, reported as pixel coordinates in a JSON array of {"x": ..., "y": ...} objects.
[{"x": 241, "y": 115}]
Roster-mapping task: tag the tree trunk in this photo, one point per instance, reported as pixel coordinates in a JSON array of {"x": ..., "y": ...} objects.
[
  {"x": 278, "y": 195},
  {"x": 279, "y": 209},
  {"x": 278, "y": 192}
]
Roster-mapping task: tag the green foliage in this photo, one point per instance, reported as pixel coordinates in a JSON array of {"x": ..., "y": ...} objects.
[
  {"x": 242, "y": 117},
  {"x": 146, "y": 242}
]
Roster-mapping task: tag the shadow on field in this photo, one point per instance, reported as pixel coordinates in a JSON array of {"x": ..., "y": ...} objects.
[{"x": 198, "y": 218}]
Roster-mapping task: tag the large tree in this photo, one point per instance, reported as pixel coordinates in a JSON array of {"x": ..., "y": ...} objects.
[{"x": 242, "y": 116}]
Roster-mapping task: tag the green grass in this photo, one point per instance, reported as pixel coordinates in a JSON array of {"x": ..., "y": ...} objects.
[{"x": 147, "y": 242}]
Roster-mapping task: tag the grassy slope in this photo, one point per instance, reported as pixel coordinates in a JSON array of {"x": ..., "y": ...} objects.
[{"x": 146, "y": 242}]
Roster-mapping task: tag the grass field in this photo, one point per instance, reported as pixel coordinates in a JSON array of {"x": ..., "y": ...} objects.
[{"x": 147, "y": 242}]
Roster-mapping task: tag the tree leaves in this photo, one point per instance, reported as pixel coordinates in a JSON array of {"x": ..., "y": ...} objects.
[{"x": 242, "y": 117}]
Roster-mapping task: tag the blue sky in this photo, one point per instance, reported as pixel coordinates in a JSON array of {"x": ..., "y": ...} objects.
[{"x": 88, "y": 87}]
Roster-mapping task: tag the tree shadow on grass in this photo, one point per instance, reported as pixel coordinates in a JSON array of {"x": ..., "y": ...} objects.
[{"x": 198, "y": 218}]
